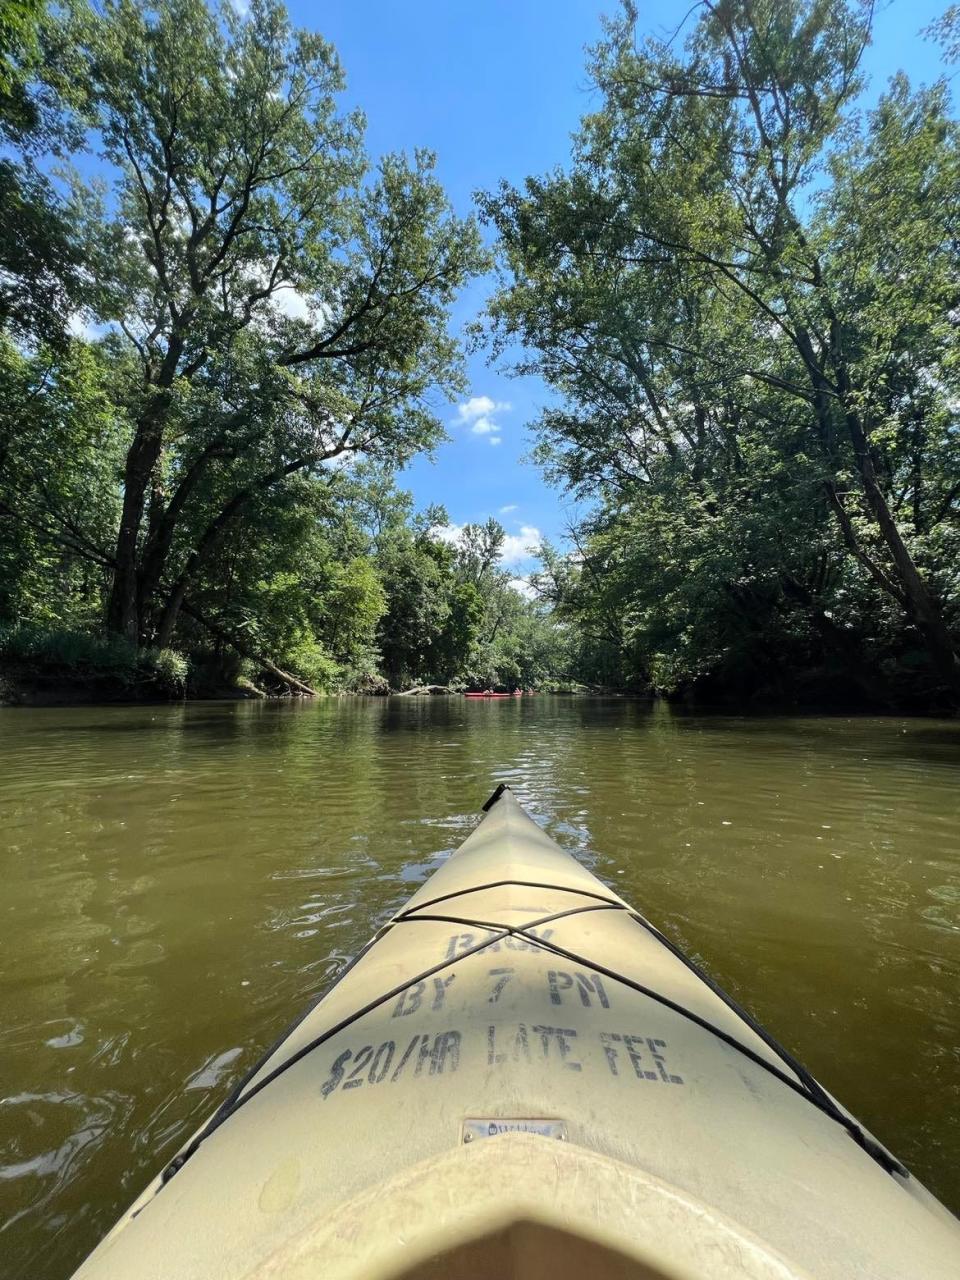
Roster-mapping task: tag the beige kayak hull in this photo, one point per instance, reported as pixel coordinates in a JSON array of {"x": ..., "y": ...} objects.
[{"x": 519, "y": 1077}]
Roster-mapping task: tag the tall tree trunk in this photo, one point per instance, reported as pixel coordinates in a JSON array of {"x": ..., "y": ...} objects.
[
  {"x": 171, "y": 612},
  {"x": 907, "y": 586},
  {"x": 156, "y": 548},
  {"x": 921, "y": 604},
  {"x": 123, "y": 608},
  {"x": 123, "y": 613},
  {"x": 208, "y": 543}
]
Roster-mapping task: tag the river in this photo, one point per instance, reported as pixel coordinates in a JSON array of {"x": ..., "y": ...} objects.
[{"x": 176, "y": 882}]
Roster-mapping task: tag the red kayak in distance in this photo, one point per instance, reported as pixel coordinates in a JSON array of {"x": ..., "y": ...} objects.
[{"x": 518, "y": 694}]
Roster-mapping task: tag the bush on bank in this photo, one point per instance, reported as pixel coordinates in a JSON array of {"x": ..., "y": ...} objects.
[{"x": 41, "y": 662}]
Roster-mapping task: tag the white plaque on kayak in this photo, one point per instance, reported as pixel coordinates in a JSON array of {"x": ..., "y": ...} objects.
[{"x": 491, "y": 1126}]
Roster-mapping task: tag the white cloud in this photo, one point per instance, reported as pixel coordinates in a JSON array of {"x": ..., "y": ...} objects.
[
  {"x": 79, "y": 327},
  {"x": 300, "y": 306},
  {"x": 290, "y": 302},
  {"x": 284, "y": 299},
  {"x": 479, "y": 407},
  {"x": 523, "y": 587},
  {"x": 518, "y": 547},
  {"x": 505, "y": 511},
  {"x": 478, "y": 414},
  {"x": 446, "y": 533}
]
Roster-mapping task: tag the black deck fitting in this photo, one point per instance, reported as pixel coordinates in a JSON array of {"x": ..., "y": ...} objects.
[{"x": 495, "y": 797}]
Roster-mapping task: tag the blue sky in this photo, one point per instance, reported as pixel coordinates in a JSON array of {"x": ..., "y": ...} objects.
[{"x": 496, "y": 87}]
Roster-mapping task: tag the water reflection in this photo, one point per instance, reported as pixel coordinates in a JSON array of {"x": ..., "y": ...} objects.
[{"x": 178, "y": 881}]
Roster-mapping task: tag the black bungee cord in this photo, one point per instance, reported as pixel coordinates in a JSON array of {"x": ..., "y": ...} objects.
[{"x": 805, "y": 1085}]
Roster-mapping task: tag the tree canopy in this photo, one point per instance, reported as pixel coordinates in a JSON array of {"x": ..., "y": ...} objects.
[
  {"x": 744, "y": 290},
  {"x": 742, "y": 293},
  {"x": 264, "y": 306}
]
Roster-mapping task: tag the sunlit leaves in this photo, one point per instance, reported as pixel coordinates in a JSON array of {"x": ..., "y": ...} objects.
[{"x": 744, "y": 292}]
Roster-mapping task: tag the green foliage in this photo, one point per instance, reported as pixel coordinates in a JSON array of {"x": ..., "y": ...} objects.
[
  {"x": 416, "y": 573},
  {"x": 40, "y": 279},
  {"x": 272, "y": 301},
  {"x": 170, "y": 670},
  {"x": 109, "y": 665},
  {"x": 273, "y": 319},
  {"x": 19, "y": 45},
  {"x": 38, "y": 258},
  {"x": 946, "y": 31},
  {"x": 744, "y": 293},
  {"x": 452, "y": 615},
  {"x": 457, "y": 640},
  {"x": 308, "y": 658},
  {"x": 61, "y": 442},
  {"x": 67, "y": 649}
]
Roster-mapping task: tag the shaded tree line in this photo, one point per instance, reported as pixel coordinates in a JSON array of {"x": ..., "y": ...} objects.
[
  {"x": 744, "y": 290},
  {"x": 216, "y": 353},
  {"x": 213, "y": 356}
]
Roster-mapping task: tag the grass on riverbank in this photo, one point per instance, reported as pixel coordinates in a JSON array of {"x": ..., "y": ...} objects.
[{"x": 37, "y": 664}]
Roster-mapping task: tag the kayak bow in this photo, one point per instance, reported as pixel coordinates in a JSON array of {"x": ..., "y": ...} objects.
[{"x": 521, "y": 1076}]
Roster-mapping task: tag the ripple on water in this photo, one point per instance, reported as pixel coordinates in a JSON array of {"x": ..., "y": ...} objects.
[
  {"x": 178, "y": 882},
  {"x": 214, "y": 1070},
  {"x": 945, "y": 913}
]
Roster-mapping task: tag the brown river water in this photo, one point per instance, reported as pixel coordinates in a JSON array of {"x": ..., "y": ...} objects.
[{"x": 177, "y": 882}]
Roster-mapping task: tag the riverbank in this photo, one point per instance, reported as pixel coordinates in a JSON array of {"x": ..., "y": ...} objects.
[
  {"x": 25, "y": 688},
  {"x": 56, "y": 668},
  {"x": 49, "y": 669},
  {"x": 23, "y": 691}
]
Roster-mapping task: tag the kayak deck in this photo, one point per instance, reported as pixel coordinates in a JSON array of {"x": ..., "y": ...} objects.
[{"x": 519, "y": 1075}]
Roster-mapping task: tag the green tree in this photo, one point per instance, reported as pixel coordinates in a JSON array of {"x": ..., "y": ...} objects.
[
  {"x": 61, "y": 444},
  {"x": 40, "y": 279},
  {"x": 416, "y": 574},
  {"x": 240, "y": 187},
  {"x": 292, "y": 590},
  {"x": 744, "y": 291}
]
